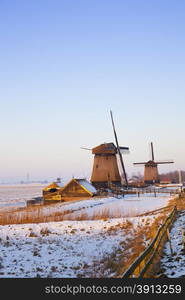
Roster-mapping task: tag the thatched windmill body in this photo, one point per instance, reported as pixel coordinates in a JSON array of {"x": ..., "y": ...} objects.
[{"x": 151, "y": 174}]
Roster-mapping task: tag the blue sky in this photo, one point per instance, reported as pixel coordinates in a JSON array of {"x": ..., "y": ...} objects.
[{"x": 64, "y": 64}]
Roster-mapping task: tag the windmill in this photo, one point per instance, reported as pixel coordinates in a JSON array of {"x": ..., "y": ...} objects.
[
  {"x": 105, "y": 166},
  {"x": 151, "y": 174}
]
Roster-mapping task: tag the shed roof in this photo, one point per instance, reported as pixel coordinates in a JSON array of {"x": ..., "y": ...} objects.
[{"x": 86, "y": 185}]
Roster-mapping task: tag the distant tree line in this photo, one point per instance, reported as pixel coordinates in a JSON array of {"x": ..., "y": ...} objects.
[{"x": 170, "y": 176}]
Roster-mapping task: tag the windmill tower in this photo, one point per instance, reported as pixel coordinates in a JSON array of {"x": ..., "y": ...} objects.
[
  {"x": 151, "y": 174},
  {"x": 105, "y": 166}
]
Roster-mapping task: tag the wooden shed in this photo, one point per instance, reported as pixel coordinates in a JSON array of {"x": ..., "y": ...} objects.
[
  {"x": 53, "y": 187},
  {"x": 78, "y": 188},
  {"x": 51, "y": 192},
  {"x": 75, "y": 188}
]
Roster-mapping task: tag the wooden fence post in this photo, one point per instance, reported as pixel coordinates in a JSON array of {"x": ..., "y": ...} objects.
[
  {"x": 169, "y": 239},
  {"x": 183, "y": 239},
  {"x": 147, "y": 256}
]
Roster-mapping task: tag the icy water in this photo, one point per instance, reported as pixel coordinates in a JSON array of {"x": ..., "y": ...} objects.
[{"x": 18, "y": 195}]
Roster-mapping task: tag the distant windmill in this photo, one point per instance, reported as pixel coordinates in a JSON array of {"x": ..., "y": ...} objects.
[
  {"x": 151, "y": 171},
  {"x": 105, "y": 166}
]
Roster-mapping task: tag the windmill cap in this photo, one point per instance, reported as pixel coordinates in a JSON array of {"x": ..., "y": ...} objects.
[{"x": 106, "y": 148}]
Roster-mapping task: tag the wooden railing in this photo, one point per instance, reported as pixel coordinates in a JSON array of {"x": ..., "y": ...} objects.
[{"x": 141, "y": 264}]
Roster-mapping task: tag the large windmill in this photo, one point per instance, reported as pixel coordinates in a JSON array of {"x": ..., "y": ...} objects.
[
  {"x": 151, "y": 174},
  {"x": 105, "y": 165}
]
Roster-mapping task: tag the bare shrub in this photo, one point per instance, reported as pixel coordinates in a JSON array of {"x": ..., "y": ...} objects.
[
  {"x": 54, "y": 269},
  {"x": 73, "y": 231},
  {"x": 33, "y": 234},
  {"x": 45, "y": 231}
]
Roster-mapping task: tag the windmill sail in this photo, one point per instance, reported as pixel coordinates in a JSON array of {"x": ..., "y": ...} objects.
[
  {"x": 119, "y": 150},
  {"x": 124, "y": 150},
  {"x": 85, "y": 148},
  {"x": 152, "y": 150}
]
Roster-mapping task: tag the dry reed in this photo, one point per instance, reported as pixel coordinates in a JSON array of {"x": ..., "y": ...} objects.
[{"x": 38, "y": 215}]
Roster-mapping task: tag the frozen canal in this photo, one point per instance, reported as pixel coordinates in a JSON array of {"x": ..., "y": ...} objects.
[{"x": 19, "y": 194}]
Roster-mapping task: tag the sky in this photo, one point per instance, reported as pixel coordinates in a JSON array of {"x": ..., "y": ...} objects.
[{"x": 65, "y": 63}]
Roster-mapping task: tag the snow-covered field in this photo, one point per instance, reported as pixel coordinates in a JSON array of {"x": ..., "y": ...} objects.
[
  {"x": 173, "y": 266},
  {"x": 64, "y": 249},
  {"x": 129, "y": 205}
]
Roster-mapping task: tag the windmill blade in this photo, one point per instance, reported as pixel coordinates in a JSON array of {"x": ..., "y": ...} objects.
[
  {"x": 165, "y": 162},
  {"x": 85, "y": 148},
  {"x": 124, "y": 150},
  {"x": 118, "y": 148},
  {"x": 141, "y": 163},
  {"x": 152, "y": 151}
]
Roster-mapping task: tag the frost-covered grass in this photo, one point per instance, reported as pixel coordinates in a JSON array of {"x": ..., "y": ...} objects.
[
  {"x": 68, "y": 248},
  {"x": 89, "y": 209},
  {"x": 129, "y": 205}
]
